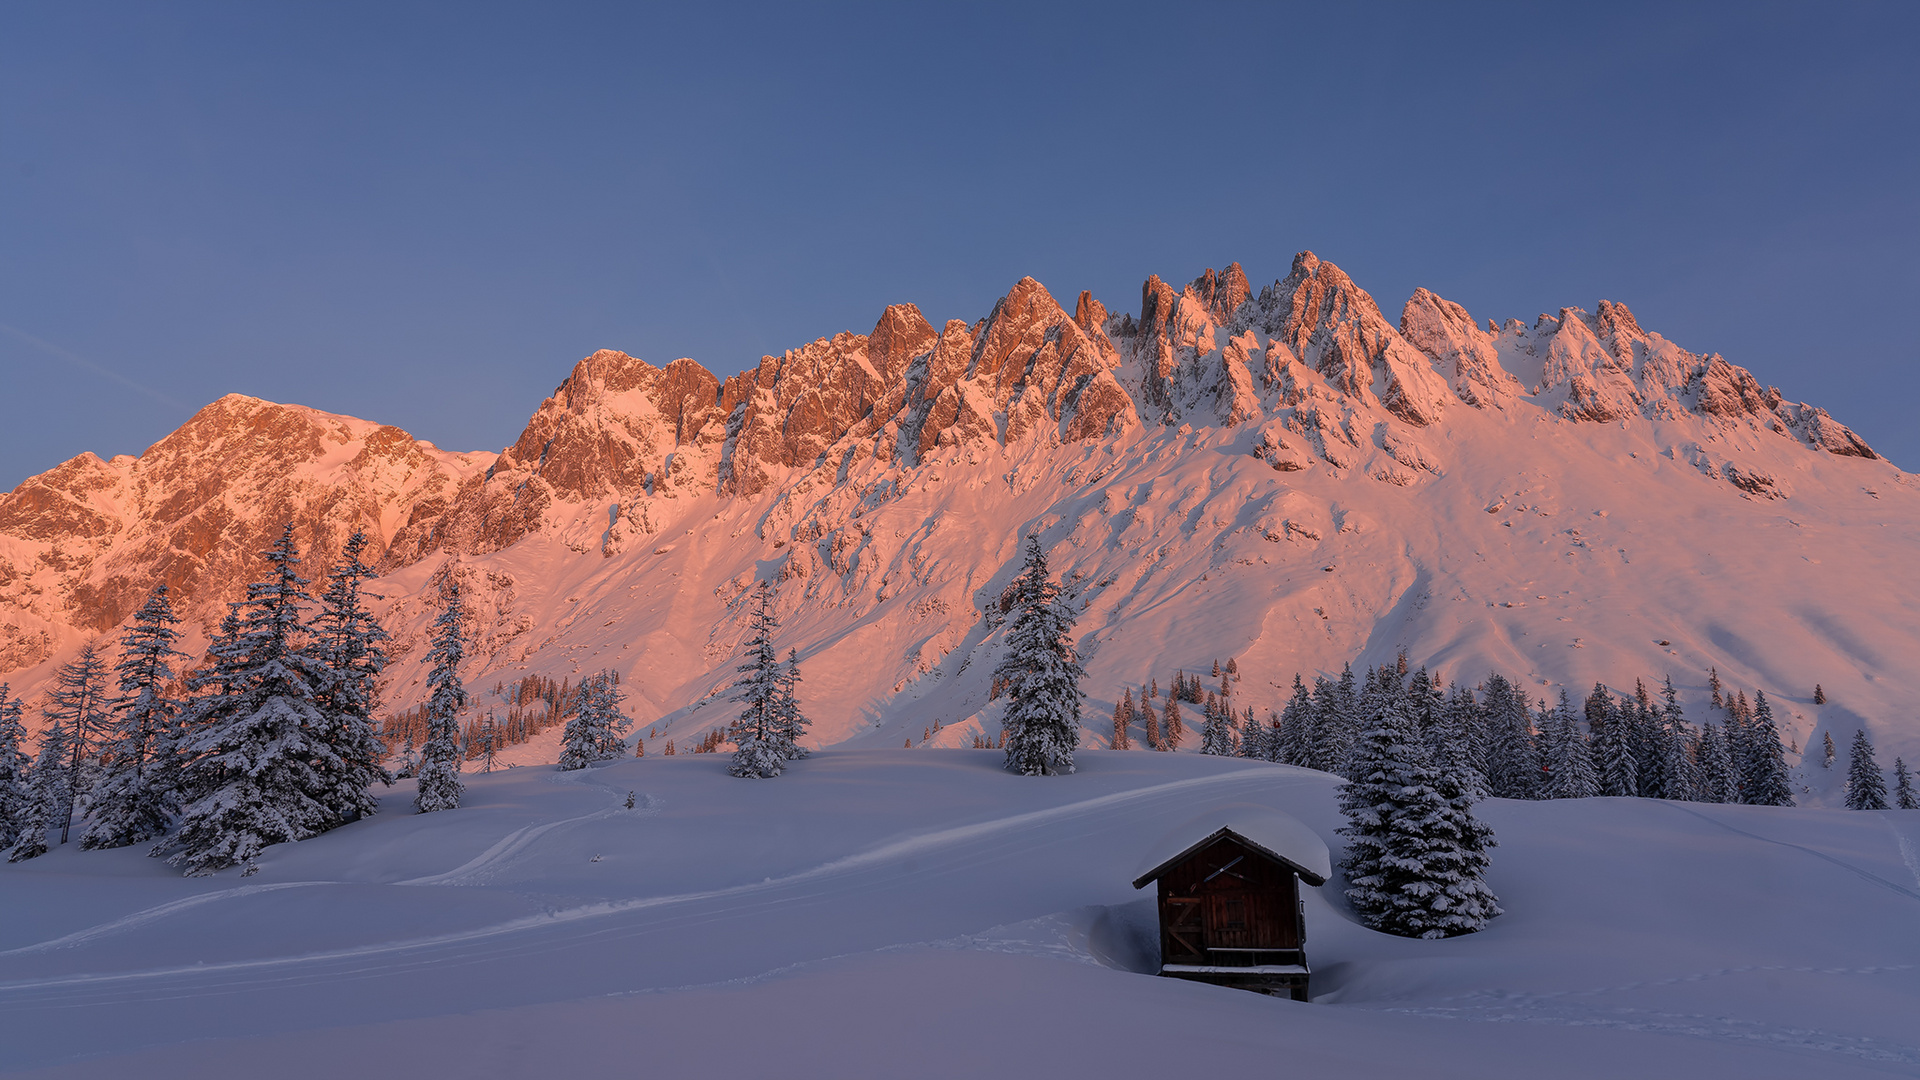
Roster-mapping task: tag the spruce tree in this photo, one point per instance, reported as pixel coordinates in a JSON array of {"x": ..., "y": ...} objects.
[
  {"x": 790, "y": 723},
  {"x": 440, "y": 784},
  {"x": 254, "y": 757},
  {"x": 1216, "y": 737},
  {"x": 1826, "y": 749},
  {"x": 1677, "y": 748},
  {"x": 1866, "y": 788},
  {"x": 1513, "y": 764},
  {"x": 78, "y": 702},
  {"x": 1122, "y": 716},
  {"x": 14, "y": 771},
  {"x": 596, "y": 730},
  {"x": 1340, "y": 725},
  {"x": 1152, "y": 719},
  {"x": 1253, "y": 737},
  {"x": 1764, "y": 775},
  {"x": 49, "y": 793},
  {"x": 1613, "y": 747},
  {"x": 1714, "y": 767},
  {"x": 1903, "y": 796},
  {"x": 1572, "y": 775},
  {"x": 756, "y": 732},
  {"x": 1173, "y": 728},
  {"x": 352, "y": 648},
  {"x": 1295, "y": 744},
  {"x": 133, "y": 803},
  {"x": 1452, "y": 743},
  {"x": 1042, "y": 672},
  {"x": 1416, "y": 859}
]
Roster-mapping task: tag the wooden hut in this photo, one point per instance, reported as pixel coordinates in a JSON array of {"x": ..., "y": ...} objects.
[{"x": 1230, "y": 908}]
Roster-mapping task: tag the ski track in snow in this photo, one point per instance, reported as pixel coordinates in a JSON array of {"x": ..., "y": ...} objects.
[
  {"x": 1908, "y": 853},
  {"x": 159, "y": 911},
  {"x": 486, "y": 865},
  {"x": 257, "y": 972}
]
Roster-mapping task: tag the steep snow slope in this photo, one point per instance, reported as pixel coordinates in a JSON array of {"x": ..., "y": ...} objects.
[
  {"x": 923, "y": 913},
  {"x": 1287, "y": 478}
]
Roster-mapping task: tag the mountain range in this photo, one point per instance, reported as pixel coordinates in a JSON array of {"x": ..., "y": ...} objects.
[{"x": 1285, "y": 477}]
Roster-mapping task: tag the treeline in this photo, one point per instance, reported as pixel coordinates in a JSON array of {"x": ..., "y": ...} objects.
[
  {"x": 269, "y": 739},
  {"x": 534, "y": 704},
  {"x": 1511, "y": 745}
]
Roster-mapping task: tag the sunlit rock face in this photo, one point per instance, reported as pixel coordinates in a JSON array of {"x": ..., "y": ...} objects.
[{"x": 1282, "y": 475}]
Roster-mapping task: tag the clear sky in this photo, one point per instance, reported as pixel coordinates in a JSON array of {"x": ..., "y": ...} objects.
[{"x": 424, "y": 215}]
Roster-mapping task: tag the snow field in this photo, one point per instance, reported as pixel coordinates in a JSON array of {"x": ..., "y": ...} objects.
[{"x": 916, "y": 913}]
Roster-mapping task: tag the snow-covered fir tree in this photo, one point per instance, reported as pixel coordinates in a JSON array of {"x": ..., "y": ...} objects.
[
  {"x": 1570, "y": 762},
  {"x": 756, "y": 732},
  {"x": 1866, "y": 788},
  {"x": 1513, "y": 763},
  {"x": 1253, "y": 737},
  {"x": 352, "y": 648},
  {"x": 134, "y": 801},
  {"x": 1619, "y": 773},
  {"x": 49, "y": 790},
  {"x": 1173, "y": 726},
  {"x": 253, "y": 752},
  {"x": 1826, "y": 750},
  {"x": 1151, "y": 721},
  {"x": 1295, "y": 744},
  {"x": 596, "y": 731},
  {"x": 1042, "y": 673},
  {"x": 440, "y": 784},
  {"x": 1713, "y": 766},
  {"x": 790, "y": 722},
  {"x": 79, "y": 702},
  {"x": 1676, "y": 747},
  {"x": 1903, "y": 794},
  {"x": 1122, "y": 719},
  {"x": 1451, "y": 744},
  {"x": 1416, "y": 859},
  {"x": 1763, "y": 776},
  {"x": 13, "y": 767},
  {"x": 1216, "y": 737},
  {"x": 489, "y": 737}
]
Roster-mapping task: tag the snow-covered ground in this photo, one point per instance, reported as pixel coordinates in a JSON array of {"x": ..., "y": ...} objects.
[{"x": 925, "y": 914}]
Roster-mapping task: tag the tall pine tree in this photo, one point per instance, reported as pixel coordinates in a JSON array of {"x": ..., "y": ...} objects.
[
  {"x": 1416, "y": 858},
  {"x": 595, "y": 732},
  {"x": 1042, "y": 673},
  {"x": 1764, "y": 775},
  {"x": 790, "y": 722},
  {"x": 78, "y": 702},
  {"x": 758, "y": 753},
  {"x": 49, "y": 789},
  {"x": 440, "y": 784},
  {"x": 1866, "y": 788},
  {"x": 133, "y": 801},
  {"x": 352, "y": 647},
  {"x": 13, "y": 768},
  {"x": 1570, "y": 770},
  {"x": 1903, "y": 796},
  {"x": 254, "y": 749}
]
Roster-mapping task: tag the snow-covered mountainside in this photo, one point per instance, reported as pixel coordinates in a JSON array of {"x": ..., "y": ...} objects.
[{"x": 1284, "y": 477}]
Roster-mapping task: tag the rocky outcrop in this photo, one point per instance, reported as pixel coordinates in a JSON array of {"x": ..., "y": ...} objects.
[
  {"x": 82, "y": 545},
  {"x": 1333, "y": 326},
  {"x": 1309, "y": 368}
]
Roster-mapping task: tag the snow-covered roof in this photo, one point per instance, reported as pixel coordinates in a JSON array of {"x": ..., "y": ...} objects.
[{"x": 1282, "y": 836}]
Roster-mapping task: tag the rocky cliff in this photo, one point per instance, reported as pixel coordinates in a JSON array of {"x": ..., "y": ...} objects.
[{"x": 884, "y": 479}]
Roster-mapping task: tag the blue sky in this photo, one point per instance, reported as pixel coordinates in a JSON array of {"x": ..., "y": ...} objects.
[{"x": 425, "y": 215}]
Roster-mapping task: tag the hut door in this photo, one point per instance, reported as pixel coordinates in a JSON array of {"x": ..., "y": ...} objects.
[{"x": 1229, "y": 919}]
